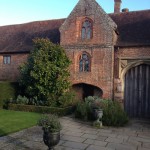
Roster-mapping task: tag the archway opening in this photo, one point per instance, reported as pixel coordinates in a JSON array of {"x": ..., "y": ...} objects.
[{"x": 84, "y": 90}]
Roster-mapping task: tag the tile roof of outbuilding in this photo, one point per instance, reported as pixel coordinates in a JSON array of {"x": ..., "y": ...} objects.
[
  {"x": 133, "y": 30},
  {"x": 18, "y": 38}
]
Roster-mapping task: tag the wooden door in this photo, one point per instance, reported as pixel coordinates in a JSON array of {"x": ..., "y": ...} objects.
[{"x": 137, "y": 92}]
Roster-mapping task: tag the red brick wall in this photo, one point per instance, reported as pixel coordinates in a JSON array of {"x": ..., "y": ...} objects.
[
  {"x": 137, "y": 53},
  {"x": 10, "y": 72},
  {"x": 101, "y": 74},
  {"x": 101, "y": 32},
  {"x": 99, "y": 47}
]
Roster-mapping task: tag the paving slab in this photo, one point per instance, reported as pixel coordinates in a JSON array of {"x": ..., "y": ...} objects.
[
  {"x": 78, "y": 135},
  {"x": 113, "y": 140},
  {"x": 75, "y": 145},
  {"x": 94, "y": 147},
  {"x": 116, "y": 146}
]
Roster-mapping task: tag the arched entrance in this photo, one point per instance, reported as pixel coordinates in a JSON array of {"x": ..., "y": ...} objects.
[
  {"x": 84, "y": 90},
  {"x": 137, "y": 91}
]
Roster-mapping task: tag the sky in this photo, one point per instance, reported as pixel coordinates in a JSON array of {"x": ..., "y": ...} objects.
[{"x": 23, "y": 11}]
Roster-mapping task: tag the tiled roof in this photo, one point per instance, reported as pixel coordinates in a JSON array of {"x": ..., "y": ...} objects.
[
  {"x": 18, "y": 38},
  {"x": 133, "y": 30}
]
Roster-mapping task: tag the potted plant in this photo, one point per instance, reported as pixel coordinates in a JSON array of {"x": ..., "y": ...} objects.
[
  {"x": 96, "y": 105},
  {"x": 51, "y": 127}
]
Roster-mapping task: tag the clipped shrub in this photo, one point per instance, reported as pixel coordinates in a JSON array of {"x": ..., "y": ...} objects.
[
  {"x": 41, "y": 109},
  {"x": 67, "y": 99},
  {"x": 83, "y": 111},
  {"x": 6, "y": 103},
  {"x": 8, "y": 90},
  {"x": 113, "y": 114}
]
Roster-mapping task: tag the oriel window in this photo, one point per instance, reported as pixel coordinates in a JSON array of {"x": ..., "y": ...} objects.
[
  {"x": 84, "y": 63},
  {"x": 86, "y": 32},
  {"x": 6, "y": 59}
]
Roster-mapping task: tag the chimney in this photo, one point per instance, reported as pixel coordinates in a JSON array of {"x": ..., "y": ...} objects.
[
  {"x": 117, "y": 6},
  {"x": 125, "y": 10}
]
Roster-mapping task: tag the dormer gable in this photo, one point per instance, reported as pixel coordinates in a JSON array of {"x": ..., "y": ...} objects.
[{"x": 87, "y": 23}]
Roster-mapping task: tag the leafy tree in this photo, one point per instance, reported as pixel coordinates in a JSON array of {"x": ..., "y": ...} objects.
[{"x": 45, "y": 74}]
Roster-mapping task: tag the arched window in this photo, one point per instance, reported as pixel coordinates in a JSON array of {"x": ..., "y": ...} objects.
[
  {"x": 86, "y": 32},
  {"x": 84, "y": 63}
]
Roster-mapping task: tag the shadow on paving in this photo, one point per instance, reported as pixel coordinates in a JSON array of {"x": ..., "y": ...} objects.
[{"x": 27, "y": 139}]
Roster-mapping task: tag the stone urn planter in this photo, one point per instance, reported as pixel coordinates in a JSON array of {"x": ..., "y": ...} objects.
[
  {"x": 51, "y": 130},
  {"x": 98, "y": 115},
  {"x": 51, "y": 139}
]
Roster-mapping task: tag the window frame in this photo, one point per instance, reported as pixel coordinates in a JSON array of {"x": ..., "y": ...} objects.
[
  {"x": 85, "y": 37},
  {"x": 84, "y": 62},
  {"x": 6, "y": 59}
]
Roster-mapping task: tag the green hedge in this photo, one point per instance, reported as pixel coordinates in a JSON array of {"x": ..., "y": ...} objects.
[
  {"x": 41, "y": 109},
  {"x": 7, "y": 90}
]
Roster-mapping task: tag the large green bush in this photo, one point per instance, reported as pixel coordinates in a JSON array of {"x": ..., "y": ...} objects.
[
  {"x": 8, "y": 90},
  {"x": 46, "y": 72}
]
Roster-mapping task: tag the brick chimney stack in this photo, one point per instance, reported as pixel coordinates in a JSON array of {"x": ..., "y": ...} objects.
[{"x": 117, "y": 6}]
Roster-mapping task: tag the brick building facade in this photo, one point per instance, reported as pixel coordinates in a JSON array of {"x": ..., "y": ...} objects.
[{"x": 110, "y": 53}]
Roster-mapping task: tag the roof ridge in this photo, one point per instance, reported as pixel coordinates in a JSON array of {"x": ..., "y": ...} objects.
[{"x": 32, "y": 22}]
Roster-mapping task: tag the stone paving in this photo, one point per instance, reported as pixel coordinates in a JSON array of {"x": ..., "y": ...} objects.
[{"x": 77, "y": 135}]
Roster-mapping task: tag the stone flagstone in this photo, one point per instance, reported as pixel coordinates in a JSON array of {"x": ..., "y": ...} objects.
[{"x": 78, "y": 136}]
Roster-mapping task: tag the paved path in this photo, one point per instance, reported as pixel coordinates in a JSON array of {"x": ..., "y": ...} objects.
[{"x": 80, "y": 136}]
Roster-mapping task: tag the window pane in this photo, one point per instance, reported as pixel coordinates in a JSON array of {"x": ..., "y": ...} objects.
[
  {"x": 8, "y": 60},
  {"x": 4, "y": 59},
  {"x": 86, "y": 66},
  {"x": 84, "y": 56},
  {"x": 83, "y": 33},
  {"x": 81, "y": 65},
  {"x": 88, "y": 33}
]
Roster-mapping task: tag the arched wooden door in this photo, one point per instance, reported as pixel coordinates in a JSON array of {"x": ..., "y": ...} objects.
[{"x": 137, "y": 92}]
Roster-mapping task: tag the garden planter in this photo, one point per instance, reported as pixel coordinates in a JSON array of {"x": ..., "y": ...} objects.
[
  {"x": 98, "y": 113},
  {"x": 51, "y": 139}
]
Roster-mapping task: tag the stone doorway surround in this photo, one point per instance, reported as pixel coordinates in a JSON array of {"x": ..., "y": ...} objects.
[{"x": 125, "y": 64}]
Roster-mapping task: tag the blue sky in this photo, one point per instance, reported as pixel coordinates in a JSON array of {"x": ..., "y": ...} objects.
[{"x": 22, "y": 11}]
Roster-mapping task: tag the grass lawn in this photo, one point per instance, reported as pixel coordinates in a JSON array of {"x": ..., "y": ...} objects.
[{"x": 12, "y": 121}]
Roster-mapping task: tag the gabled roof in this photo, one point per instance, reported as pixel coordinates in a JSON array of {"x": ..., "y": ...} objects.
[
  {"x": 18, "y": 38},
  {"x": 133, "y": 28},
  {"x": 88, "y": 8}
]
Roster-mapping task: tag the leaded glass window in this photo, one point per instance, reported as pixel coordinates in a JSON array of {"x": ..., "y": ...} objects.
[
  {"x": 84, "y": 63},
  {"x": 86, "y": 29}
]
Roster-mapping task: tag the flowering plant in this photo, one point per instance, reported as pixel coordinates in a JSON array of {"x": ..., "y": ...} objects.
[
  {"x": 95, "y": 102},
  {"x": 50, "y": 123}
]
